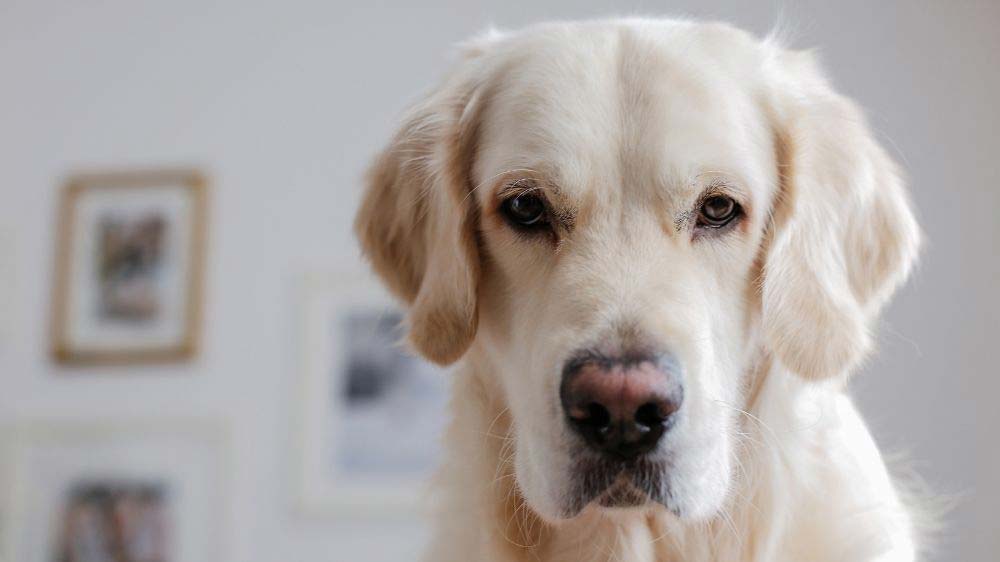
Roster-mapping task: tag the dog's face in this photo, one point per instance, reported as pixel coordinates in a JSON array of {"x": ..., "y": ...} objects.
[
  {"x": 623, "y": 195},
  {"x": 622, "y": 219}
]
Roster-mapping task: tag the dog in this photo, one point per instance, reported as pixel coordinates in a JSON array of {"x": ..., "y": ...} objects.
[{"x": 656, "y": 250}]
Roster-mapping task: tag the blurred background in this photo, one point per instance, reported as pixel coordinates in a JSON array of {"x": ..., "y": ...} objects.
[{"x": 277, "y": 108}]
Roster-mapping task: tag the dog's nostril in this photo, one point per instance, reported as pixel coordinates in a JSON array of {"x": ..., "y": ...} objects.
[
  {"x": 599, "y": 416},
  {"x": 593, "y": 415},
  {"x": 650, "y": 415}
]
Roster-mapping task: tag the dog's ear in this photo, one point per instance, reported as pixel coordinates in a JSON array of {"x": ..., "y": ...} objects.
[
  {"x": 843, "y": 234},
  {"x": 417, "y": 220}
]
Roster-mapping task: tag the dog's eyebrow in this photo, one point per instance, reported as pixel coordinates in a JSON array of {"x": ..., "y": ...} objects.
[
  {"x": 721, "y": 184},
  {"x": 525, "y": 185},
  {"x": 722, "y": 181}
]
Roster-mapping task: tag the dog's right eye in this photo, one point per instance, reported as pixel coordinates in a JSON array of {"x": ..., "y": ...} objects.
[{"x": 525, "y": 210}]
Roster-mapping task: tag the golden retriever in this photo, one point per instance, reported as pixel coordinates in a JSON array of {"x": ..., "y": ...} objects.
[{"x": 656, "y": 250}]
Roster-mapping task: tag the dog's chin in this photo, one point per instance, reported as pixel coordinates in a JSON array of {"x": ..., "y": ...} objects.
[
  {"x": 623, "y": 495},
  {"x": 614, "y": 486}
]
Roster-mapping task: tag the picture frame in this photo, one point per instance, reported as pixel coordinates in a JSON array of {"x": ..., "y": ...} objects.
[
  {"x": 131, "y": 490},
  {"x": 129, "y": 267},
  {"x": 371, "y": 412}
]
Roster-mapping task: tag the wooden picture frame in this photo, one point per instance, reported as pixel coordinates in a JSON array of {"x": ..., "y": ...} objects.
[{"x": 129, "y": 267}]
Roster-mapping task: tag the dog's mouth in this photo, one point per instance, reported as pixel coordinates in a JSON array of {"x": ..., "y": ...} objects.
[
  {"x": 619, "y": 484},
  {"x": 623, "y": 493}
]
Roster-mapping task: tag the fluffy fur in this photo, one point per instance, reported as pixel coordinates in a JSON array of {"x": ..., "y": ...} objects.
[{"x": 622, "y": 125}]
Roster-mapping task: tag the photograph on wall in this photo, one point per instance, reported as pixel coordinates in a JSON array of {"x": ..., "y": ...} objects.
[
  {"x": 113, "y": 520},
  {"x": 389, "y": 401},
  {"x": 374, "y": 410},
  {"x": 138, "y": 492},
  {"x": 128, "y": 272}
]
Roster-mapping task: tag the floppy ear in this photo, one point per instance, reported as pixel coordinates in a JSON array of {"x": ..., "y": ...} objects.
[
  {"x": 417, "y": 221},
  {"x": 844, "y": 235}
]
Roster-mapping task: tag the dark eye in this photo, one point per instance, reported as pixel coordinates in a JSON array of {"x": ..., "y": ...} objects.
[
  {"x": 718, "y": 211},
  {"x": 524, "y": 210}
]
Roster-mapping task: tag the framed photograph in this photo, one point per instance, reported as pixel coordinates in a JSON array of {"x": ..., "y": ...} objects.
[
  {"x": 96, "y": 493},
  {"x": 373, "y": 412},
  {"x": 129, "y": 267}
]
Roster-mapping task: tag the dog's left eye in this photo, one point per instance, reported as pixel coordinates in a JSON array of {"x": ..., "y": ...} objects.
[
  {"x": 526, "y": 210},
  {"x": 718, "y": 211}
]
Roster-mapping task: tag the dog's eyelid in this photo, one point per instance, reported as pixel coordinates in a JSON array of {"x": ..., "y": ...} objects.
[
  {"x": 724, "y": 188},
  {"x": 512, "y": 190},
  {"x": 716, "y": 182},
  {"x": 520, "y": 186}
]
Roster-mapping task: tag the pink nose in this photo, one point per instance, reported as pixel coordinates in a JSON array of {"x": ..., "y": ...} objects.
[{"x": 621, "y": 406}]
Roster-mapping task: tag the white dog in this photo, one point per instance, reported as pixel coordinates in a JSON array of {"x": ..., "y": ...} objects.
[{"x": 657, "y": 250}]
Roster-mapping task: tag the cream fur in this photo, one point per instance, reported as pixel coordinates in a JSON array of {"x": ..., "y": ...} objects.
[{"x": 622, "y": 124}]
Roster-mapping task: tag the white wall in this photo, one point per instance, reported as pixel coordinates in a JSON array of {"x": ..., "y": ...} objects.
[{"x": 284, "y": 104}]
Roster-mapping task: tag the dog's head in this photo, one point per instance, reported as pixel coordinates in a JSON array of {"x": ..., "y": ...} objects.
[{"x": 620, "y": 218}]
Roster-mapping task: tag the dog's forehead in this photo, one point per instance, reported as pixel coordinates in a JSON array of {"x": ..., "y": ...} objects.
[{"x": 624, "y": 106}]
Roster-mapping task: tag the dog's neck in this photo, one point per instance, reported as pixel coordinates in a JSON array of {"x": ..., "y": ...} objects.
[{"x": 510, "y": 531}]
